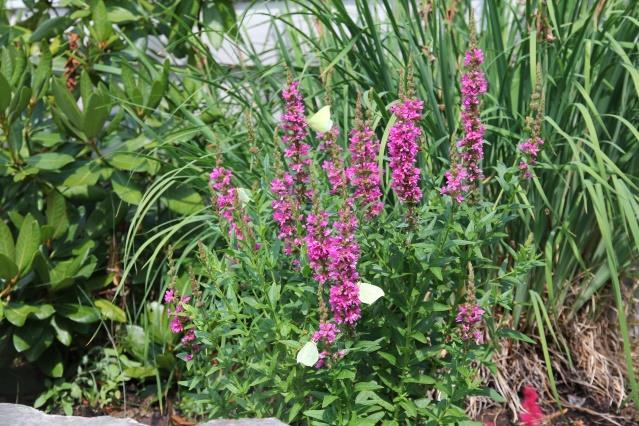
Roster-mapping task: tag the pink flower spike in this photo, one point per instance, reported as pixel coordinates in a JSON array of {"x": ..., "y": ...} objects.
[
  {"x": 403, "y": 147},
  {"x": 532, "y": 415}
]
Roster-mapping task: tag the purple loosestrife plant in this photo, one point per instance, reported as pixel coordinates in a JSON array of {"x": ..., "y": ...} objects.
[
  {"x": 530, "y": 147},
  {"x": 334, "y": 165},
  {"x": 296, "y": 150},
  {"x": 473, "y": 85},
  {"x": 225, "y": 199},
  {"x": 179, "y": 322},
  {"x": 403, "y": 148},
  {"x": 469, "y": 317},
  {"x": 363, "y": 174},
  {"x": 344, "y": 255},
  {"x": 286, "y": 211},
  {"x": 465, "y": 171}
]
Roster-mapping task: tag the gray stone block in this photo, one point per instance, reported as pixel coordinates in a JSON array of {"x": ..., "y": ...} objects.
[{"x": 21, "y": 415}]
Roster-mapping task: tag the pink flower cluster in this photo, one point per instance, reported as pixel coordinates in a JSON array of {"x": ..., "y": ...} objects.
[
  {"x": 344, "y": 254},
  {"x": 296, "y": 151},
  {"x": 363, "y": 173},
  {"x": 530, "y": 148},
  {"x": 179, "y": 321},
  {"x": 326, "y": 355},
  {"x": 334, "y": 166},
  {"x": 468, "y": 317},
  {"x": 532, "y": 414},
  {"x": 403, "y": 148},
  {"x": 473, "y": 85},
  {"x": 225, "y": 197},
  {"x": 286, "y": 211},
  {"x": 456, "y": 182},
  {"x": 327, "y": 333},
  {"x": 463, "y": 177},
  {"x": 318, "y": 238}
]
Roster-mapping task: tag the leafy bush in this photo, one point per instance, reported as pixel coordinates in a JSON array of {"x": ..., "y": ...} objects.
[
  {"x": 583, "y": 196},
  {"x": 79, "y": 117},
  {"x": 414, "y": 355}
]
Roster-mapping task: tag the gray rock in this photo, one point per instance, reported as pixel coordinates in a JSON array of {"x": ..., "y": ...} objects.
[{"x": 21, "y": 415}]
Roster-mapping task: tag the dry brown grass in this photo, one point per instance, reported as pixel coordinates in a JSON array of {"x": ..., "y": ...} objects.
[{"x": 587, "y": 363}]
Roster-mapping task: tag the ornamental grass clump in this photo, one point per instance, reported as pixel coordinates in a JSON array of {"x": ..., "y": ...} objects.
[{"x": 344, "y": 308}]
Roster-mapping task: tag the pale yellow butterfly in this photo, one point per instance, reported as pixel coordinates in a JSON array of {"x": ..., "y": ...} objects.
[
  {"x": 308, "y": 355},
  {"x": 321, "y": 120},
  {"x": 369, "y": 293}
]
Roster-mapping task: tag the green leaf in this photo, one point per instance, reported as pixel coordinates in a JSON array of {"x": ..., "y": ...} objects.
[
  {"x": 28, "y": 243},
  {"x": 52, "y": 364},
  {"x": 50, "y": 160},
  {"x": 184, "y": 200},
  {"x": 110, "y": 311},
  {"x": 120, "y": 15},
  {"x": 78, "y": 313},
  {"x": 513, "y": 334},
  {"x": 20, "y": 101},
  {"x": 7, "y": 246},
  {"x": 101, "y": 23},
  {"x": 51, "y": 27},
  {"x": 131, "y": 161},
  {"x": 67, "y": 104},
  {"x": 136, "y": 341},
  {"x": 17, "y": 312},
  {"x": 96, "y": 113},
  {"x": 5, "y": 89},
  {"x": 126, "y": 188},
  {"x": 61, "y": 332},
  {"x": 86, "y": 174},
  {"x": 57, "y": 214},
  {"x": 24, "y": 338},
  {"x": 8, "y": 269}
]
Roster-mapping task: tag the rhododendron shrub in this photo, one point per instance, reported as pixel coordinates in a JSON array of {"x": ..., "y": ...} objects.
[{"x": 345, "y": 285}]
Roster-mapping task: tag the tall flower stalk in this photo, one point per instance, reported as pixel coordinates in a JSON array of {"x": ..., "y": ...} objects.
[
  {"x": 403, "y": 147},
  {"x": 363, "y": 173},
  {"x": 296, "y": 150},
  {"x": 292, "y": 189},
  {"x": 344, "y": 255},
  {"x": 465, "y": 172},
  {"x": 530, "y": 147}
]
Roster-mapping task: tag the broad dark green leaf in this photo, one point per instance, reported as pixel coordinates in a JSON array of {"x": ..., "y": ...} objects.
[
  {"x": 17, "y": 312},
  {"x": 27, "y": 243},
  {"x": 78, "y": 313},
  {"x": 67, "y": 104},
  {"x": 57, "y": 214},
  {"x": 101, "y": 24},
  {"x": 183, "y": 200},
  {"x": 110, "y": 311},
  {"x": 96, "y": 113},
  {"x": 126, "y": 188},
  {"x": 50, "y": 160},
  {"x": 5, "y": 89},
  {"x": 8, "y": 269},
  {"x": 61, "y": 332},
  {"x": 7, "y": 246},
  {"x": 51, "y": 27}
]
